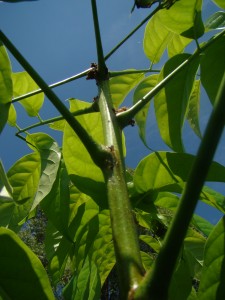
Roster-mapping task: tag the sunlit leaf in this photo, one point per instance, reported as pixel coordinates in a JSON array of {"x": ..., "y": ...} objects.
[
  {"x": 193, "y": 108},
  {"x": 151, "y": 242},
  {"x": 83, "y": 172},
  {"x": 161, "y": 171},
  {"x": 22, "y": 275},
  {"x": 215, "y": 21},
  {"x": 12, "y": 116},
  {"x": 155, "y": 44},
  {"x": 141, "y": 117},
  {"x": 220, "y": 3},
  {"x": 23, "y": 84},
  {"x": 5, "y": 86},
  {"x": 4, "y": 182},
  {"x": 147, "y": 260},
  {"x": 171, "y": 107},
  {"x": 212, "y": 67},
  {"x": 184, "y": 17},
  {"x": 23, "y": 177},
  {"x": 50, "y": 155},
  {"x": 213, "y": 273},
  {"x": 121, "y": 85}
]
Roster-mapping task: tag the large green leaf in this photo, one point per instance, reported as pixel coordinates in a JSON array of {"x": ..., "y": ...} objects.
[
  {"x": 141, "y": 117},
  {"x": 23, "y": 177},
  {"x": 193, "y": 108},
  {"x": 50, "y": 155},
  {"x": 184, "y": 17},
  {"x": 172, "y": 101},
  {"x": 5, "y": 86},
  {"x": 155, "y": 44},
  {"x": 166, "y": 171},
  {"x": 212, "y": 67},
  {"x": 22, "y": 275},
  {"x": 213, "y": 273},
  {"x": 56, "y": 204},
  {"x": 83, "y": 172},
  {"x": 121, "y": 85},
  {"x": 6, "y": 190},
  {"x": 220, "y": 3},
  {"x": 23, "y": 84},
  {"x": 202, "y": 225}
]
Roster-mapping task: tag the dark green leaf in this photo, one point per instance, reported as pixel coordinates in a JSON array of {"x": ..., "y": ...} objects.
[
  {"x": 22, "y": 275},
  {"x": 213, "y": 273},
  {"x": 212, "y": 67},
  {"x": 172, "y": 101},
  {"x": 202, "y": 225}
]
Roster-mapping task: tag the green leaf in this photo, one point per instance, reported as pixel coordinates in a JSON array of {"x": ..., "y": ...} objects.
[
  {"x": 155, "y": 44},
  {"x": 151, "y": 242},
  {"x": 23, "y": 84},
  {"x": 5, "y": 86},
  {"x": 23, "y": 177},
  {"x": 166, "y": 171},
  {"x": 5, "y": 77},
  {"x": 193, "y": 108},
  {"x": 83, "y": 172},
  {"x": 12, "y": 116},
  {"x": 171, "y": 108},
  {"x": 220, "y": 3},
  {"x": 56, "y": 204},
  {"x": 181, "y": 283},
  {"x": 216, "y": 21},
  {"x": 86, "y": 285},
  {"x": 147, "y": 260},
  {"x": 184, "y": 17},
  {"x": 22, "y": 275},
  {"x": 141, "y": 117},
  {"x": 212, "y": 68},
  {"x": 202, "y": 225},
  {"x": 213, "y": 273},
  {"x": 121, "y": 85},
  {"x": 50, "y": 159},
  {"x": 4, "y": 183}
]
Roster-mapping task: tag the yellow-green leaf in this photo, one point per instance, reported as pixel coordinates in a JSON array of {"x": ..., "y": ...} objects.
[{"x": 23, "y": 84}]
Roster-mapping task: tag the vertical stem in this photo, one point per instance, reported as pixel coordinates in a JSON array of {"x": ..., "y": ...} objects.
[
  {"x": 157, "y": 282},
  {"x": 124, "y": 231}
]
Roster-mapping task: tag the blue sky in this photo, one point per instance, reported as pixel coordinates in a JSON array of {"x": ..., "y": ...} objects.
[{"x": 57, "y": 38}]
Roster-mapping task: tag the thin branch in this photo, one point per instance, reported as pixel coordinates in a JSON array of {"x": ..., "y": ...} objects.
[
  {"x": 59, "y": 118},
  {"x": 133, "y": 31},
  {"x": 97, "y": 153},
  {"x": 102, "y": 69},
  {"x": 77, "y": 76},
  {"x": 156, "y": 282},
  {"x": 126, "y": 116},
  {"x": 126, "y": 72}
]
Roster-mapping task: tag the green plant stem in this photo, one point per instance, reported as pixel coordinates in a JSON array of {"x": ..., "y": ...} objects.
[
  {"x": 125, "y": 117},
  {"x": 133, "y": 31},
  {"x": 125, "y": 239},
  {"x": 156, "y": 282},
  {"x": 126, "y": 72},
  {"x": 87, "y": 110},
  {"x": 98, "y": 154},
  {"x": 102, "y": 69},
  {"x": 77, "y": 76}
]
